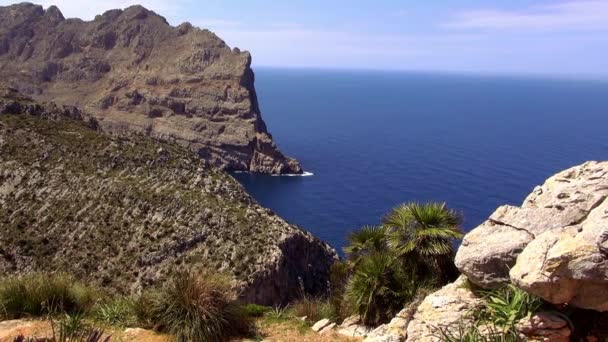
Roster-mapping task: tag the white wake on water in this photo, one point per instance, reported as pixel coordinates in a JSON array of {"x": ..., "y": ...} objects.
[{"x": 304, "y": 174}]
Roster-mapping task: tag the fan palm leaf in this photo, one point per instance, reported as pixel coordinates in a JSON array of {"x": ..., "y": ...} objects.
[{"x": 368, "y": 239}]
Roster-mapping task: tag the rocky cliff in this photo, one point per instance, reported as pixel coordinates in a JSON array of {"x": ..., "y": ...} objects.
[
  {"x": 123, "y": 211},
  {"x": 136, "y": 73},
  {"x": 555, "y": 246}
]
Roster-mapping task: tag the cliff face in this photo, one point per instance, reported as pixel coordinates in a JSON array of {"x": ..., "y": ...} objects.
[
  {"x": 554, "y": 246},
  {"x": 136, "y": 73},
  {"x": 124, "y": 211}
]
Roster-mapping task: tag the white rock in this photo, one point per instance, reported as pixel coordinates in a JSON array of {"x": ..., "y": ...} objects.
[
  {"x": 489, "y": 251},
  {"x": 320, "y": 324},
  {"x": 327, "y": 329}
]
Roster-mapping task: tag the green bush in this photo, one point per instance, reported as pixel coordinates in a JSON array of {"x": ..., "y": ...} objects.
[
  {"x": 313, "y": 309},
  {"x": 508, "y": 305},
  {"x": 143, "y": 308},
  {"x": 495, "y": 321},
  {"x": 338, "y": 278},
  {"x": 254, "y": 310},
  {"x": 119, "y": 311},
  {"x": 199, "y": 307},
  {"x": 72, "y": 328},
  {"x": 380, "y": 288},
  {"x": 423, "y": 235},
  {"x": 475, "y": 333},
  {"x": 40, "y": 294}
]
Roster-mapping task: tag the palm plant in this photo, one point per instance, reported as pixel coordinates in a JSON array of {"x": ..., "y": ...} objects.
[
  {"x": 379, "y": 288},
  {"x": 367, "y": 240},
  {"x": 424, "y": 234}
]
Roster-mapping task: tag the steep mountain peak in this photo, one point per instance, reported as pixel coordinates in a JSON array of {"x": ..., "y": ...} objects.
[{"x": 136, "y": 73}]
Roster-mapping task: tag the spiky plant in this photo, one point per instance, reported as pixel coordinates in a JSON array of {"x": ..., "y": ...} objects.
[
  {"x": 379, "y": 288},
  {"x": 424, "y": 234},
  {"x": 199, "y": 307},
  {"x": 367, "y": 240}
]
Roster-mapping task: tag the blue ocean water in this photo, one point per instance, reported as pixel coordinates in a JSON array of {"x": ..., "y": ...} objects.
[{"x": 377, "y": 139}]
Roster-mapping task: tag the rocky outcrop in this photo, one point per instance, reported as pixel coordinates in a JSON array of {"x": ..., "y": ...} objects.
[
  {"x": 125, "y": 211},
  {"x": 554, "y": 246},
  {"x": 444, "y": 311},
  {"x": 544, "y": 326},
  {"x": 570, "y": 265},
  {"x": 557, "y": 210},
  {"x": 136, "y": 73}
]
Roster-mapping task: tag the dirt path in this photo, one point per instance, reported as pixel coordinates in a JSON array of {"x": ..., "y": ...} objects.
[{"x": 284, "y": 331}]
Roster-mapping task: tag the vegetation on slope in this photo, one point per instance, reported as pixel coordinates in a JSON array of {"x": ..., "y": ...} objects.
[{"x": 123, "y": 211}]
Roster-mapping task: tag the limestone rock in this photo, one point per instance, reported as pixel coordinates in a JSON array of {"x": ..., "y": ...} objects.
[
  {"x": 396, "y": 329},
  {"x": 489, "y": 251},
  {"x": 328, "y": 328},
  {"x": 320, "y": 324},
  {"x": 124, "y": 212},
  {"x": 569, "y": 265},
  {"x": 445, "y": 309},
  {"x": 136, "y": 73},
  {"x": 544, "y": 326},
  {"x": 352, "y": 327}
]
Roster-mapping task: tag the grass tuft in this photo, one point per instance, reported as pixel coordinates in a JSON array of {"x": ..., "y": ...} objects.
[
  {"x": 40, "y": 294},
  {"x": 199, "y": 307}
]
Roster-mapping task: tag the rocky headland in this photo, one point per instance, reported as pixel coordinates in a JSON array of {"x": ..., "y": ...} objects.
[
  {"x": 136, "y": 73},
  {"x": 124, "y": 211},
  {"x": 553, "y": 246}
]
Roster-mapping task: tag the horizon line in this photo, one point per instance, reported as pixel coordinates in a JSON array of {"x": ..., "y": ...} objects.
[{"x": 498, "y": 74}]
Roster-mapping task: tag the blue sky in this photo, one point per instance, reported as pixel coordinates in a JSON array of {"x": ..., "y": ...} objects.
[{"x": 554, "y": 37}]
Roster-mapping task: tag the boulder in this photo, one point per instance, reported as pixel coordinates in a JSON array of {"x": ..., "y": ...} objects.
[
  {"x": 396, "y": 329},
  {"x": 320, "y": 325},
  {"x": 352, "y": 327},
  {"x": 444, "y": 310},
  {"x": 569, "y": 265},
  {"x": 327, "y": 329},
  {"x": 544, "y": 326},
  {"x": 489, "y": 251}
]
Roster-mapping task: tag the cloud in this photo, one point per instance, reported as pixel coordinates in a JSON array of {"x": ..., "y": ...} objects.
[
  {"x": 582, "y": 15},
  {"x": 308, "y": 46}
]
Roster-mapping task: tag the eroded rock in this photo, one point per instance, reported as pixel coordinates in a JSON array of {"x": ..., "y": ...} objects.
[
  {"x": 544, "y": 326},
  {"x": 136, "y": 73},
  {"x": 489, "y": 251},
  {"x": 568, "y": 265},
  {"x": 445, "y": 310}
]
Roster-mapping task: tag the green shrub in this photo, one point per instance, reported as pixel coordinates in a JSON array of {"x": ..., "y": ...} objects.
[
  {"x": 143, "y": 308},
  {"x": 72, "y": 328},
  {"x": 199, "y": 307},
  {"x": 424, "y": 235},
  {"x": 254, "y": 310},
  {"x": 475, "y": 333},
  {"x": 278, "y": 313},
  {"x": 40, "y": 294},
  {"x": 338, "y": 278},
  {"x": 379, "y": 288},
  {"x": 495, "y": 321},
  {"x": 313, "y": 309},
  {"x": 119, "y": 311},
  {"x": 508, "y": 305}
]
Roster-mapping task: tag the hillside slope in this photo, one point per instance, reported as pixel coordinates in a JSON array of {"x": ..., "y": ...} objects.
[
  {"x": 135, "y": 72},
  {"x": 124, "y": 211}
]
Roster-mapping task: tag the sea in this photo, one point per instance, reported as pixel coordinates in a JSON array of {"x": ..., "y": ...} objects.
[{"x": 370, "y": 140}]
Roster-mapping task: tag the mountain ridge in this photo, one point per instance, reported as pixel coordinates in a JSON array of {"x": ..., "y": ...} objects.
[
  {"x": 124, "y": 211},
  {"x": 136, "y": 73}
]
